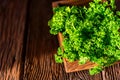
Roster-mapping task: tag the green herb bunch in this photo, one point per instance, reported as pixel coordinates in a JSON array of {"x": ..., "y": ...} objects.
[{"x": 90, "y": 33}]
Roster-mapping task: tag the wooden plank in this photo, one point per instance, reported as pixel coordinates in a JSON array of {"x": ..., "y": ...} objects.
[
  {"x": 41, "y": 47},
  {"x": 112, "y": 72},
  {"x": 12, "y": 25}
]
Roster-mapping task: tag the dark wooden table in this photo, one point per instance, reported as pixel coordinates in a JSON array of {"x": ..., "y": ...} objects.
[{"x": 27, "y": 49}]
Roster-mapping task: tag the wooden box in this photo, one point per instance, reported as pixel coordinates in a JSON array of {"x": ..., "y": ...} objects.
[{"x": 73, "y": 66}]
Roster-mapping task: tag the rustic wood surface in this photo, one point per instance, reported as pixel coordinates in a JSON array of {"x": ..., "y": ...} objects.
[
  {"x": 12, "y": 26},
  {"x": 27, "y": 49}
]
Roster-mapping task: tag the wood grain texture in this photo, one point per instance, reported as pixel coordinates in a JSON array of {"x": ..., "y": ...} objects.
[
  {"x": 71, "y": 2},
  {"x": 12, "y": 24},
  {"x": 41, "y": 47},
  {"x": 112, "y": 72}
]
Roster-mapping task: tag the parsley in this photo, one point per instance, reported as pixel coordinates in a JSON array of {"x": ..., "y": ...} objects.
[{"x": 90, "y": 33}]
